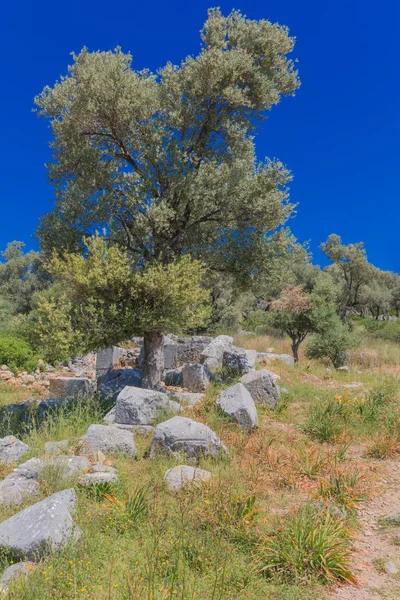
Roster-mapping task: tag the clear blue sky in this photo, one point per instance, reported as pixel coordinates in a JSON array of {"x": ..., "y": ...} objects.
[{"x": 339, "y": 135}]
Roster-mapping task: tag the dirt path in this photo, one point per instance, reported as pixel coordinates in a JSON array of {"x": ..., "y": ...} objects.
[{"x": 374, "y": 545}]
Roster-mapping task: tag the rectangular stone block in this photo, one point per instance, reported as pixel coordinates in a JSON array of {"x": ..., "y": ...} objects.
[
  {"x": 70, "y": 387},
  {"x": 106, "y": 360}
]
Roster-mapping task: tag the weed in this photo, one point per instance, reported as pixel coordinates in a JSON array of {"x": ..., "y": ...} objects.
[
  {"x": 342, "y": 488},
  {"x": 309, "y": 544},
  {"x": 326, "y": 422},
  {"x": 98, "y": 491}
]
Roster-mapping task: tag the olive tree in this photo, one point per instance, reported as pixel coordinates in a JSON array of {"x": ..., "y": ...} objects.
[
  {"x": 165, "y": 162},
  {"x": 350, "y": 271}
]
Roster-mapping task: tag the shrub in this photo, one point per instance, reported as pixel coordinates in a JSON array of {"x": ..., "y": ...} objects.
[
  {"x": 309, "y": 543},
  {"x": 17, "y": 354},
  {"x": 332, "y": 344}
]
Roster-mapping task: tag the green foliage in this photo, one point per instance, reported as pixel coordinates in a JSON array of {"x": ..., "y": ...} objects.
[
  {"x": 350, "y": 270},
  {"x": 17, "y": 354},
  {"x": 110, "y": 300},
  {"x": 5, "y": 314},
  {"x": 21, "y": 275},
  {"x": 309, "y": 543},
  {"x": 384, "y": 330},
  {"x": 50, "y": 328},
  {"x": 166, "y": 162},
  {"x": 332, "y": 344}
]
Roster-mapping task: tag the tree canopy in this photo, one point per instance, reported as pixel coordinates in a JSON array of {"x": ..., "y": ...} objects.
[{"x": 165, "y": 163}]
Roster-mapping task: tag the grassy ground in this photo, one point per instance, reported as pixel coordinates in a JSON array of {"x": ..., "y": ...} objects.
[
  {"x": 277, "y": 519},
  {"x": 9, "y": 395}
]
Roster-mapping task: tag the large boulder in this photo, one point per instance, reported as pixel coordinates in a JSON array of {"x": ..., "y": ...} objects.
[
  {"x": 111, "y": 384},
  {"x": 195, "y": 377},
  {"x": 238, "y": 361},
  {"x": 262, "y": 387},
  {"x": 237, "y": 403},
  {"x": 107, "y": 439},
  {"x": 12, "y": 450},
  {"x": 137, "y": 406},
  {"x": 71, "y": 387},
  {"x": 213, "y": 353},
  {"x": 182, "y": 435},
  {"x": 42, "y": 528},
  {"x": 178, "y": 477}
]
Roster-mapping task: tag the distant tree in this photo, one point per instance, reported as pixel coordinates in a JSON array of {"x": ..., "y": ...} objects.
[
  {"x": 377, "y": 294},
  {"x": 165, "y": 163},
  {"x": 21, "y": 275},
  {"x": 350, "y": 271},
  {"x": 298, "y": 313},
  {"x": 395, "y": 291}
]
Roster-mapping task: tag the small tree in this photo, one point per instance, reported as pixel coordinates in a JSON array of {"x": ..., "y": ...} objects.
[
  {"x": 298, "y": 314},
  {"x": 333, "y": 343},
  {"x": 109, "y": 301}
]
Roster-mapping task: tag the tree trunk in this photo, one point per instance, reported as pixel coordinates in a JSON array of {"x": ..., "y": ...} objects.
[
  {"x": 295, "y": 350},
  {"x": 153, "y": 363}
]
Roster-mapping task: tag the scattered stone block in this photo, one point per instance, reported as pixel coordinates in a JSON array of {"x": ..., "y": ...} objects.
[
  {"x": 237, "y": 403},
  {"x": 196, "y": 377},
  {"x": 99, "y": 473},
  {"x": 190, "y": 398},
  {"x": 41, "y": 529},
  {"x": 238, "y": 361},
  {"x": 213, "y": 353},
  {"x": 13, "y": 572},
  {"x": 108, "y": 439},
  {"x": 262, "y": 387},
  {"x": 181, "y": 435},
  {"x": 12, "y": 450},
  {"x": 56, "y": 448},
  {"x": 114, "y": 382},
  {"x": 107, "y": 358},
  {"x": 70, "y": 387},
  {"x": 183, "y": 475},
  {"x": 137, "y": 406}
]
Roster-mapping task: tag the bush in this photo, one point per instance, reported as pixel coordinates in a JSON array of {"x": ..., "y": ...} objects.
[
  {"x": 309, "y": 543},
  {"x": 332, "y": 344},
  {"x": 17, "y": 354}
]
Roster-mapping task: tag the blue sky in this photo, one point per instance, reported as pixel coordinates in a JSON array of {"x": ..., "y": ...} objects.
[{"x": 339, "y": 135}]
